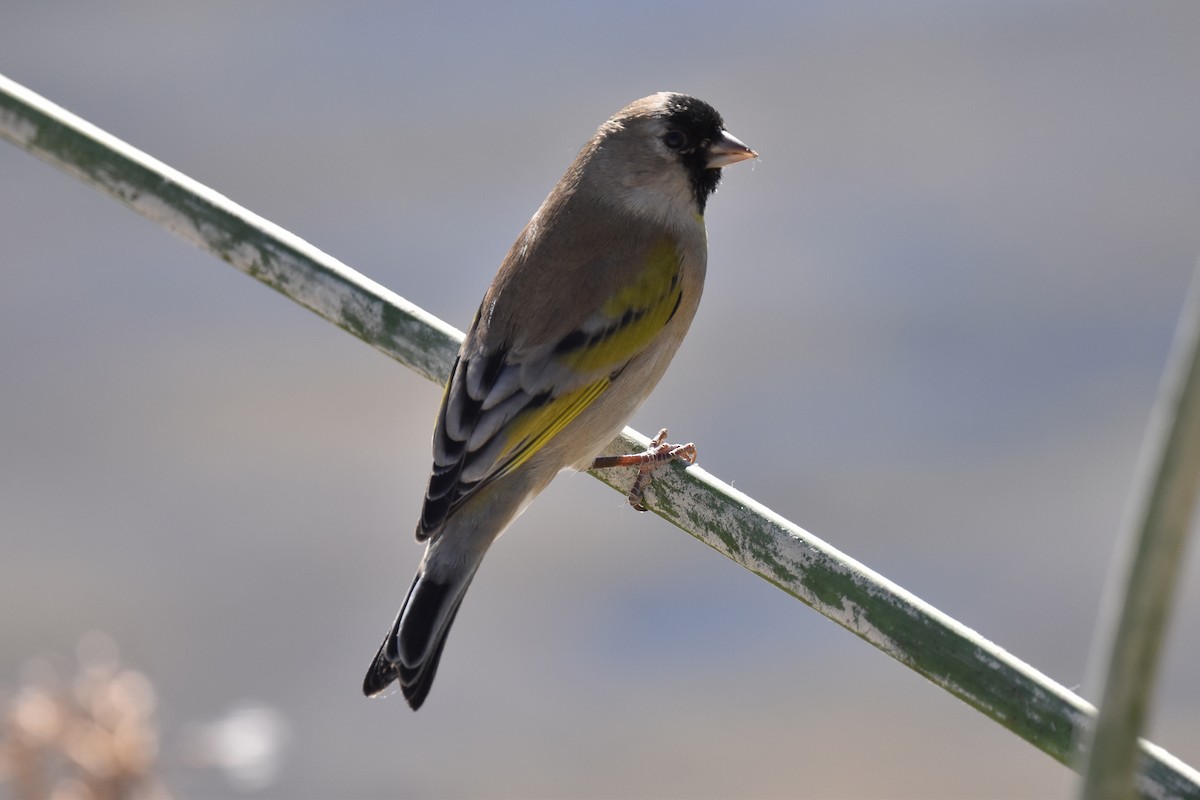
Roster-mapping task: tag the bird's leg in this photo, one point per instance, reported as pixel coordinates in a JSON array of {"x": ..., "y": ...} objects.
[{"x": 659, "y": 453}]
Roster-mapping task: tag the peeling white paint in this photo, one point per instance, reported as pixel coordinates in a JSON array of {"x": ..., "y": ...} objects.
[{"x": 16, "y": 129}]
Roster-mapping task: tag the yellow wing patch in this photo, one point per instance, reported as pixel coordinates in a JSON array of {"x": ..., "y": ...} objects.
[
  {"x": 632, "y": 316},
  {"x": 532, "y": 428}
]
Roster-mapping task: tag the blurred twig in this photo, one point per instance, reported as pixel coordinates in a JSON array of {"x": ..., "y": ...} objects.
[
  {"x": 893, "y": 620},
  {"x": 1138, "y": 599}
]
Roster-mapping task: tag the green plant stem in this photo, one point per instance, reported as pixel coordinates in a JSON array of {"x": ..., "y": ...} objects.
[{"x": 1139, "y": 598}]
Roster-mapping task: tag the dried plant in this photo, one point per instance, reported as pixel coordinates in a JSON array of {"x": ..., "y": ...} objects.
[{"x": 93, "y": 737}]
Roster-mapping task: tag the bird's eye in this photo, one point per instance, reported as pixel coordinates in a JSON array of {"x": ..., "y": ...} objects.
[{"x": 674, "y": 139}]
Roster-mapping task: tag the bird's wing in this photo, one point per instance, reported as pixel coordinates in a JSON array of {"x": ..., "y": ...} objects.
[{"x": 504, "y": 403}]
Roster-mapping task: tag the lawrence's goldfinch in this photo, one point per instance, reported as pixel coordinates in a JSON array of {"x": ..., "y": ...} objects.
[{"x": 578, "y": 326}]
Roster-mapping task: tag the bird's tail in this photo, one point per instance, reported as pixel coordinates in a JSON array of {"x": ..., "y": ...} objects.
[{"x": 413, "y": 647}]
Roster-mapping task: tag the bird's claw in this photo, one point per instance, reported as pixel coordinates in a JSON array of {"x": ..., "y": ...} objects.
[{"x": 658, "y": 453}]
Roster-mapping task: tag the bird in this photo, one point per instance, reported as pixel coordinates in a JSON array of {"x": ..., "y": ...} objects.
[{"x": 579, "y": 324}]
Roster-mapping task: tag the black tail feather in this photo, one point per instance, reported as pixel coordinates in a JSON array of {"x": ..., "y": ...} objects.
[
  {"x": 385, "y": 668},
  {"x": 416, "y": 682},
  {"x": 427, "y": 614},
  {"x": 382, "y": 672}
]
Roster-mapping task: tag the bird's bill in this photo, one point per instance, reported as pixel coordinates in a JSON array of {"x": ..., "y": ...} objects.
[{"x": 727, "y": 150}]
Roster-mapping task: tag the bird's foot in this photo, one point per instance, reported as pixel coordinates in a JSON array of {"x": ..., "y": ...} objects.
[{"x": 659, "y": 453}]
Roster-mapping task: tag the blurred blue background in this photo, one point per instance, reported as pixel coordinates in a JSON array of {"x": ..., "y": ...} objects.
[{"x": 936, "y": 315}]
